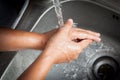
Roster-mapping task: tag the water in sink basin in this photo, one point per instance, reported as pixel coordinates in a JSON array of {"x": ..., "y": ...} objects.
[{"x": 88, "y": 16}]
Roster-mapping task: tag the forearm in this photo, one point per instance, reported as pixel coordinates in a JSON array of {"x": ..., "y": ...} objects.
[
  {"x": 14, "y": 40},
  {"x": 38, "y": 69}
]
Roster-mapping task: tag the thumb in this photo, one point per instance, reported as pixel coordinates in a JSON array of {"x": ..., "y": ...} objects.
[{"x": 68, "y": 24}]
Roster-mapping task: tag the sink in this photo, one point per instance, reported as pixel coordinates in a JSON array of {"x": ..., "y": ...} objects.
[{"x": 99, "y": 61}]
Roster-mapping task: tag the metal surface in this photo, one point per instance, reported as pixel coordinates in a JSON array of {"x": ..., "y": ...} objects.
[
  {"x": 88, "y": 15},
  {"x": 10, "y": 12},
  {"x": 24, "y": 7}
]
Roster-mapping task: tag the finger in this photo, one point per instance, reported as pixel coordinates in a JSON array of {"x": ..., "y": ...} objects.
[
  {"x": 83, "y": 44},
  {"x": 88, "y": 31},
  {"x": 92, "y": 33},
  {"x": 68, "y": 24},
  {"x": 84, "y": 35}
]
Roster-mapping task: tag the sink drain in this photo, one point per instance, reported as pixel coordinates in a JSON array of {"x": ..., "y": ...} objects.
[{"x": 103, "y": 67}]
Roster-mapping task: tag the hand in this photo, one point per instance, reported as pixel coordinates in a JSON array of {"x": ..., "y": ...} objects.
[
  {"x": 46, "y": 36},
  {"x": 68, "y": 42},
  {"x": 64, "y": 46}
]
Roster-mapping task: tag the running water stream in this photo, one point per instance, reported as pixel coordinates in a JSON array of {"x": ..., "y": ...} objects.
[{"x": 58, "y": 11}]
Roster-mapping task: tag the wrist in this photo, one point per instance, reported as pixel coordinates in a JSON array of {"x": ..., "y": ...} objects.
[{"x": 46, "y": 55}]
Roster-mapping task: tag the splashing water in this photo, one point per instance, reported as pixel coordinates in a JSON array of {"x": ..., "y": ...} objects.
[
  {"x": 77, "y": 69},
  {"x": 58, "y": 11}
]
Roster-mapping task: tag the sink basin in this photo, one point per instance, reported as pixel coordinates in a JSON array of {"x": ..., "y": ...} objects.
[{"x": 100, "y": 61}]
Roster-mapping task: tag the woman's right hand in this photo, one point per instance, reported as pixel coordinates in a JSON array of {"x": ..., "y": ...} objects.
[{"x": 68, "y": 42}]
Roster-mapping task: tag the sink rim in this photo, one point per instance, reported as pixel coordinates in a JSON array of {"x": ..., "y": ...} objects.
[{"x": 25, "y": 5}]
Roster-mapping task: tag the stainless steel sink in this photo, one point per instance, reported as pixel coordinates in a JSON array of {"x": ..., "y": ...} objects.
[{"x": 100, "y": 61}]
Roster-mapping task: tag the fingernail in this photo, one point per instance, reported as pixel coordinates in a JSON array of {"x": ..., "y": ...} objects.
[
  {"x": 70, "y": 20},
  {"x": 98, "y": 34}
]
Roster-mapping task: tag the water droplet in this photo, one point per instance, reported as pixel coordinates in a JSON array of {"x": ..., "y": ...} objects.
[{"x": 74, "y": 76}]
